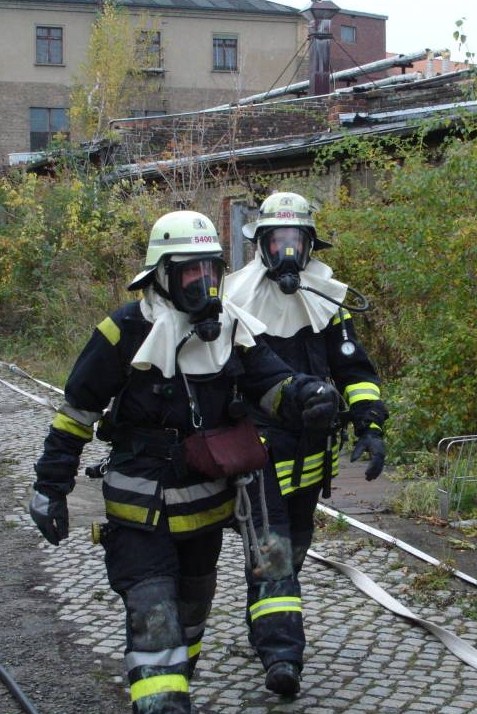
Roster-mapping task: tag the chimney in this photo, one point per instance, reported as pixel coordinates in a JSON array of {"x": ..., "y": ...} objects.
[{"x": 319, "y": 16}]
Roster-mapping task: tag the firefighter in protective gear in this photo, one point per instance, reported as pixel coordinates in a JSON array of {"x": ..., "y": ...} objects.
[
  {"x": 316, "y": 336},
  {"x": 153, "y": 372}
]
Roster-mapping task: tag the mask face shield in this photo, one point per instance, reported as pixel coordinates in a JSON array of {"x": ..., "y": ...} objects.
[
  {"x": 196, "y": 285},
  {"x": 286, "y": 249}
]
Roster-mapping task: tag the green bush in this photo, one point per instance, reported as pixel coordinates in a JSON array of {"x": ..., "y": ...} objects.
[
  {"x": 68, "y": 247},
  {"x": 411, "y": 246}
]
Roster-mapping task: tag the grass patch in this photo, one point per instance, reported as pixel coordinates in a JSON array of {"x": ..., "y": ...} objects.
[
  {"x": 417, "y": 499},
  {"x": 328, "y": 525},
  {"x": 437, "y": 578}
]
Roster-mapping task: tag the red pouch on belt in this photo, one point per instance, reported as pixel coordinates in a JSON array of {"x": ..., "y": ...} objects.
[{"x": 226, "y": 451}]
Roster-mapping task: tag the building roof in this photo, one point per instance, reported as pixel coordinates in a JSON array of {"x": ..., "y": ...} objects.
[{"x": 262, "y": 7}]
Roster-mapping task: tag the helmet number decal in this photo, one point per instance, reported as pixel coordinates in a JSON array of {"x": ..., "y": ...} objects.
[
  {"x": 203, "y": 239},
  {"x": 285, "y": 214}
]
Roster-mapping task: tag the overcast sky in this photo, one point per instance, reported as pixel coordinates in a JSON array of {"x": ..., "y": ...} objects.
[{"x": 414, "y": 25}]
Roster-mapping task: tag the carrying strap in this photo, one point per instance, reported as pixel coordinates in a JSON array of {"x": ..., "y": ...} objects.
[{"x": 243, "y": 514}]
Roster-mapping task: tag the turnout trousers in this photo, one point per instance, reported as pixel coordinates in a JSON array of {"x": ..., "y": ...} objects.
[
  {"x": 274, "y": 607},
  {"x": 167, "y": 587}
]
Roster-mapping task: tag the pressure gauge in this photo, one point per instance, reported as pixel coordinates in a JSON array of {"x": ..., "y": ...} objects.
[{"x": 348, "y": 348}]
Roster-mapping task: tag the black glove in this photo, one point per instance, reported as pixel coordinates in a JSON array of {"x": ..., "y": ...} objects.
[
  {"x": 372, "y": 442},
  {"x": 51, "y": 516},
  {"x": 320, "y": 405}
]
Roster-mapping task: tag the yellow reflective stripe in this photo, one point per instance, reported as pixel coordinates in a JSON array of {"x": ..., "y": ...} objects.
[
  {"x": 312, "y": 471},
  {"x": 272, "y": 605},
  {"x": 277, "y": 399},
  {"x": 71, "y": 426},
  {"x": 194, "y": 650},
  {"x": 306, "y": 480},
  {"x": 313, "y": 461},
  {"x": 360, "y": 391},
  {"x": 158, "y": 684},
  {"x": 135, "y": 514},
  {"x": 110, "y": 330},
  {"x": 181, "y": 524},
  {"x": 337, "y": 318}
]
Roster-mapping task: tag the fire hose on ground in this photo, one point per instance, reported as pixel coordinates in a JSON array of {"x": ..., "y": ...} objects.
[{"x": 17, "y": 693}]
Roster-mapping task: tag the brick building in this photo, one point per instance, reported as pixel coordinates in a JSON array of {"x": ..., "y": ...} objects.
[{"x": 207, "y": 54}]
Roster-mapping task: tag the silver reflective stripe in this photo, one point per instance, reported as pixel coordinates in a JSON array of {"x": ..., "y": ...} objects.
[
  {"x": 164, "y": 658},
  {"x": 79, "y": 415},
  {"x": 136, "y": 484},
  {"x": 40, "y": 503},
  {"x": 190, "y": 494}
]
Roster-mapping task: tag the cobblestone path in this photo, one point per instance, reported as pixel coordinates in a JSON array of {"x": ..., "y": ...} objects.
[{"x": 359, "y": 658}]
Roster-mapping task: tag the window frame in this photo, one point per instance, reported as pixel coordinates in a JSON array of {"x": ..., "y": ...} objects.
[
  {"x": 148, "y": 51},
  {"x": 353, "y": 31},
  {"x": 223, "y": 50},
  {"x": 37, "y": 145},
  {"x": 50, "y": 59}
]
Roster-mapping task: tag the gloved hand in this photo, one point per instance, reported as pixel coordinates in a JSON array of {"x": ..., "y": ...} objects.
[
  {"x": 371, "y": 441},
  {"x": 320, "y": 405},
  {"x": 51, "y": 516}
]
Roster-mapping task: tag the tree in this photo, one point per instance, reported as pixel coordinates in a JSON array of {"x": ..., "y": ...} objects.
[{"x": 112, "y": 80}]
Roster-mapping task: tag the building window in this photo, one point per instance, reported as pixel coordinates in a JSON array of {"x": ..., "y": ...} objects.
[
  {"x": 149, "y": 50},
  {"x": 44, "y": 124},
  {"x": 348, "y": 34},
  {"x": 49, "y": 45},
  {"x": 225, "y": 53}
]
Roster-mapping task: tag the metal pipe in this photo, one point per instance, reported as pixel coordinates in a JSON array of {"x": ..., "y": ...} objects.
[{"x": 321, "y": 13}]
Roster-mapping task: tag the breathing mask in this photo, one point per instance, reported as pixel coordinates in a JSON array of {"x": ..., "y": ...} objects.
[
  {"x": 195, "y": 286},
  {"x": 285, "y": 252}
]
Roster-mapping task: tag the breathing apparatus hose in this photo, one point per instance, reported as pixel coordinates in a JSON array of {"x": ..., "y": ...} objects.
[
  {"x": 15, "y": 690},
  {"x": 363, "y": 302}
]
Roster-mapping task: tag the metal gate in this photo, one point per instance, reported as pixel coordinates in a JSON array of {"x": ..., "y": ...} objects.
[{"x": 457, "y": 470}]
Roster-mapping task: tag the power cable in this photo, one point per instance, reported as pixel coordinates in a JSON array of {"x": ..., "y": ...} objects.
[
  {"x": 285, "y": 69},
  {"x": 356, "y": 64}
]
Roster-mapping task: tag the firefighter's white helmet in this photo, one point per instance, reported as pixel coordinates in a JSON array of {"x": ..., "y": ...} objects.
[
  {"x": 184, "y": 233},
  {"x": 284, "y": 209}
]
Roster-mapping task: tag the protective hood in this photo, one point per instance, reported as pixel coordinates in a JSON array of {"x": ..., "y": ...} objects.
[
  {"x": 284, "y": 315},
  {"x": 196, "y": 357}
]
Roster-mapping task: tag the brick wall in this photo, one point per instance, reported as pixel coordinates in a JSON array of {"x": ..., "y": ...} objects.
[
  {"x": 370, "y": 42},
  {"x": 15, "y": 106},
  {"x": 212, "y": 132}
]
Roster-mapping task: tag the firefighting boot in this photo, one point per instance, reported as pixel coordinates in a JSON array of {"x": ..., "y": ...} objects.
[{"x": 283, "y": 678}]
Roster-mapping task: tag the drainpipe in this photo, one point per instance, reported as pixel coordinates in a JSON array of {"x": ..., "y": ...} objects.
[{"x": 319, "y": 16}]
